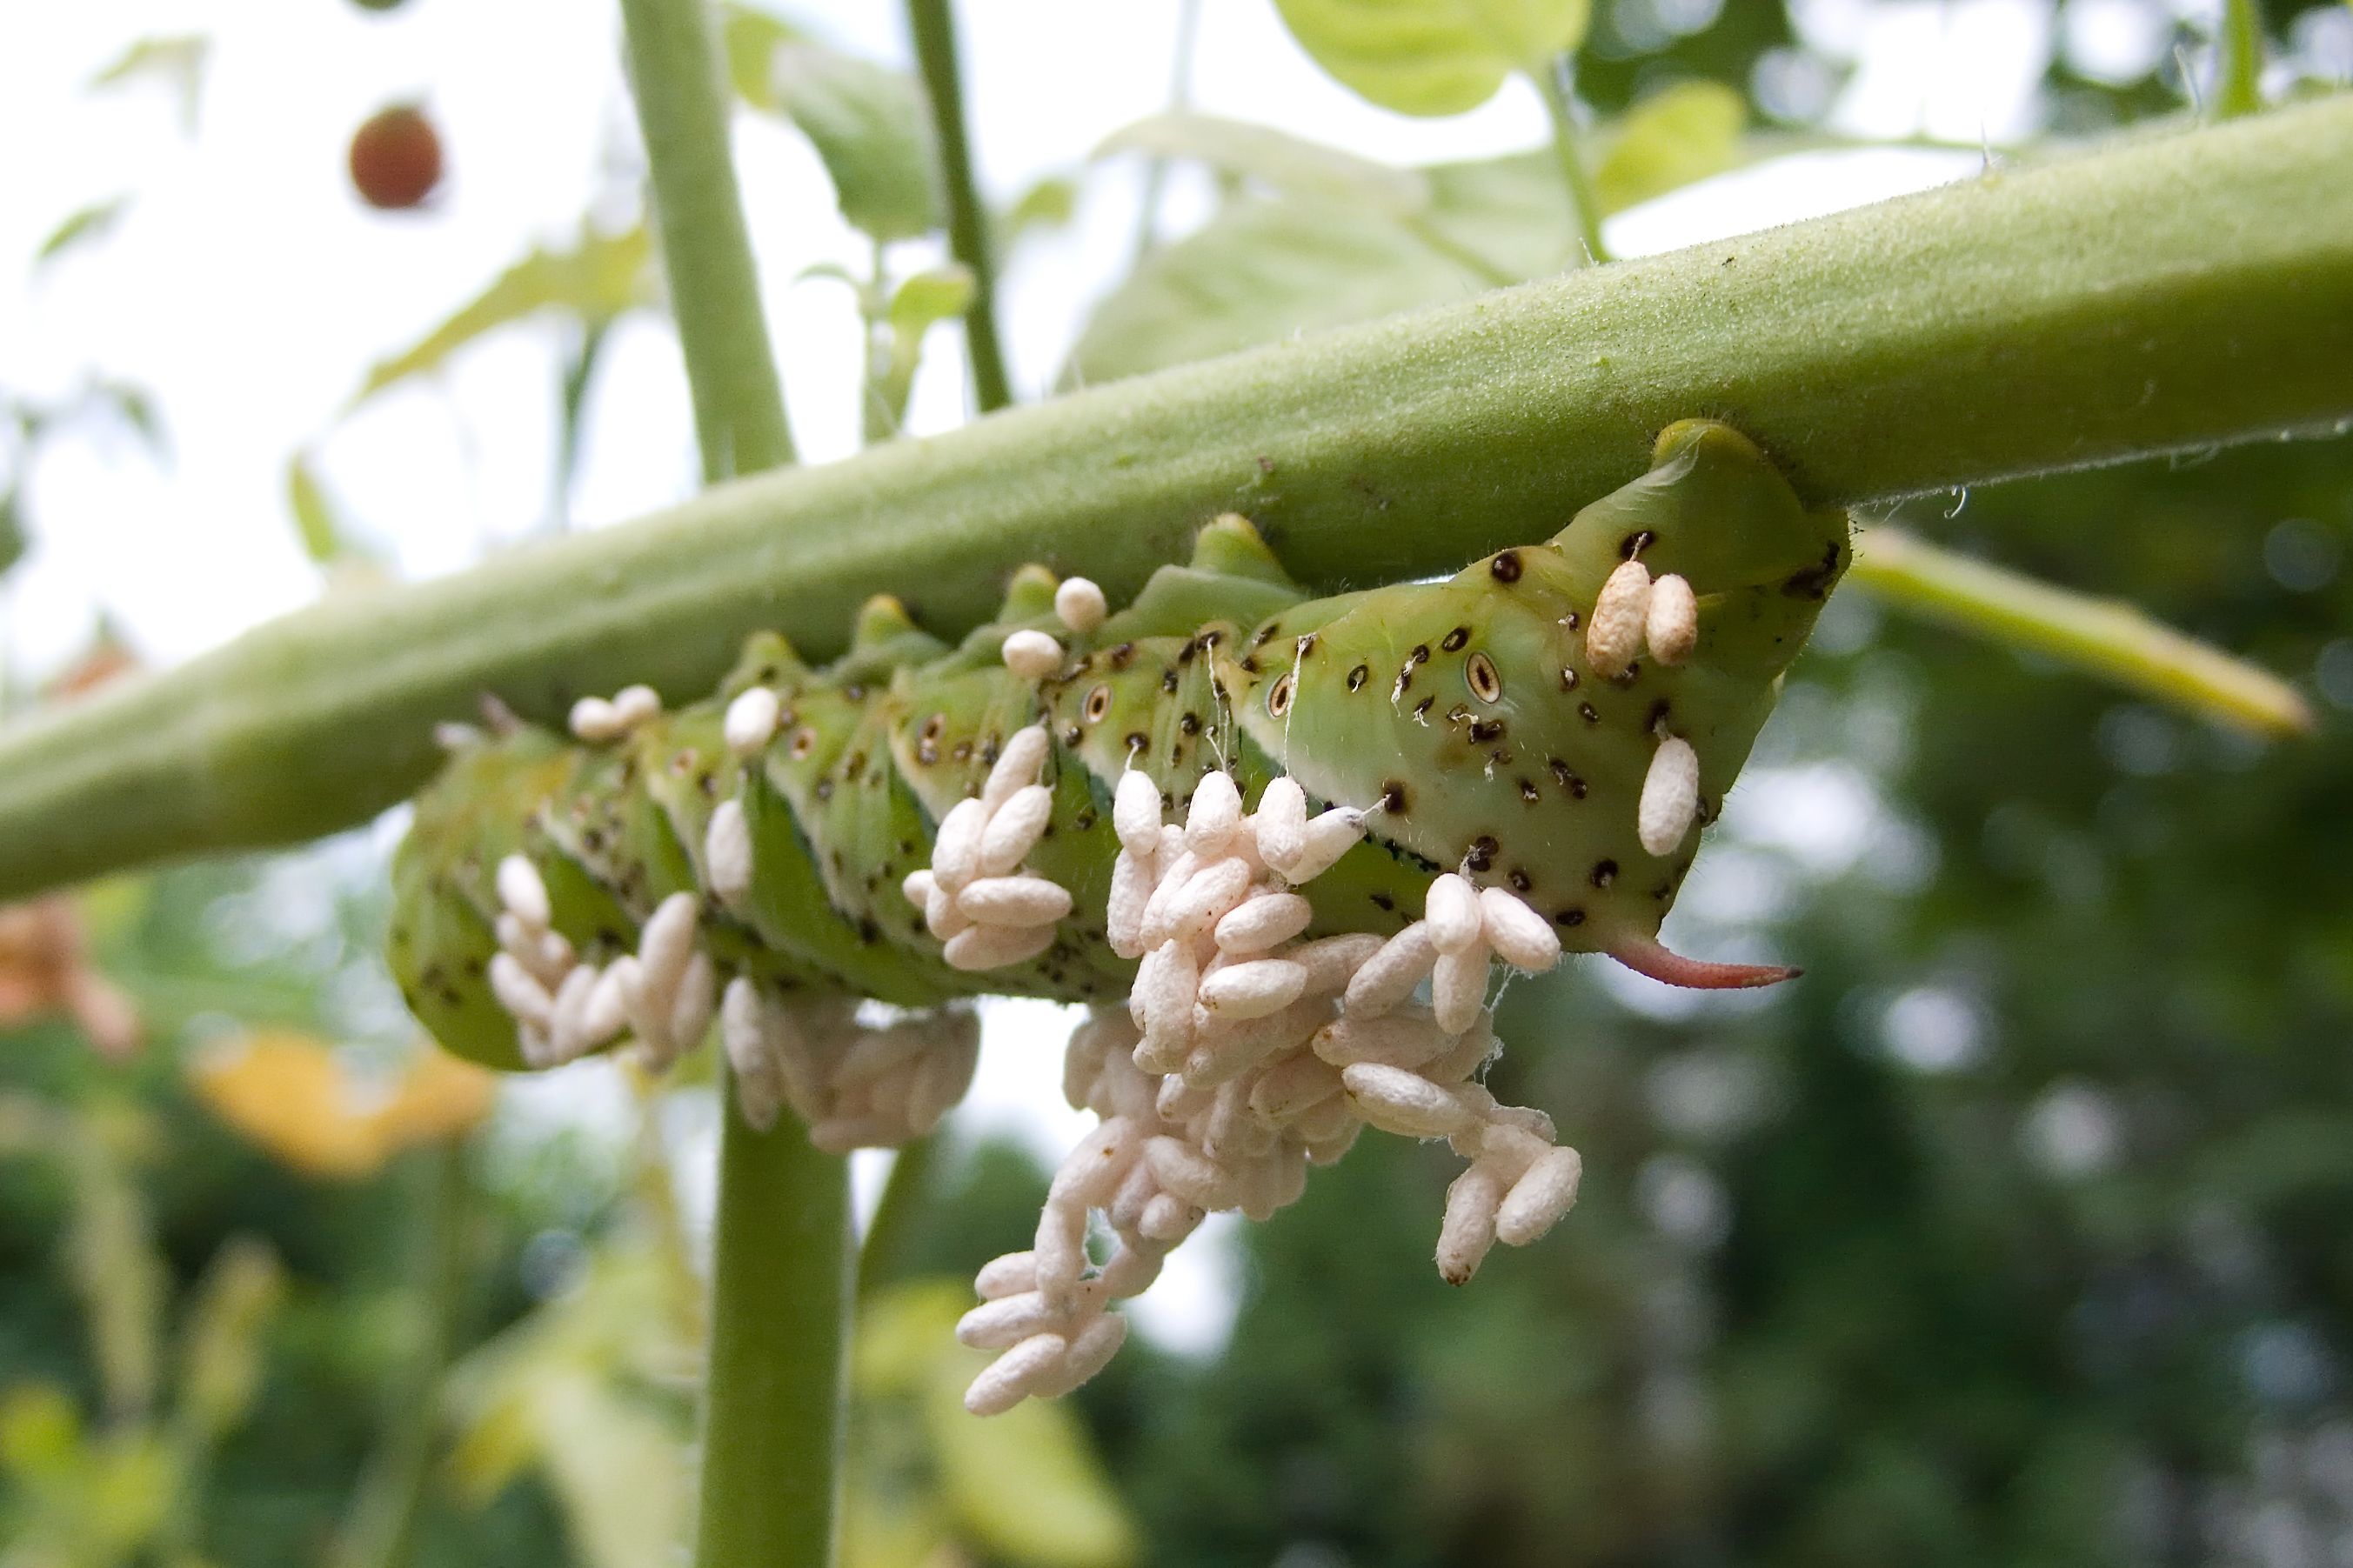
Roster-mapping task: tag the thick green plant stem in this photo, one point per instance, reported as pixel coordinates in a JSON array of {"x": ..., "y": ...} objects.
[
  {"x": 2162, "y": 295},
  {"x": 774, "y": 1387},
  {"x": 681, "y": 85},
  {"x": 773, "y": 1391},
  {"x": 933, "y": 24}
]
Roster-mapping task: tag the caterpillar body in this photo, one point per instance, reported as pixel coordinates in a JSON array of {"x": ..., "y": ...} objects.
[{"x": 1556, "y": 721}]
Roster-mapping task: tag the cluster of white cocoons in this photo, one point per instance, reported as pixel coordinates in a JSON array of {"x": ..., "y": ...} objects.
[
  {"x": 1080, "y": 606},
  {"x": 1634, "y": 612},
  {"x": 856, "y": 1087},
  {"x": 597, "y": 720},
  {"x": 1247, "y": 1054},
  {"x": 976, "y": 897},
  {"x": 663, "y": 993}
]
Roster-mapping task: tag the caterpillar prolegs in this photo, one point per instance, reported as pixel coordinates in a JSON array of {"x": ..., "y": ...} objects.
[{"x": 1264, "y": 821}]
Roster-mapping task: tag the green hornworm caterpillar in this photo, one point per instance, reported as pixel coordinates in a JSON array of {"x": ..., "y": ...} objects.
[{"x": 1374, "y": 790}]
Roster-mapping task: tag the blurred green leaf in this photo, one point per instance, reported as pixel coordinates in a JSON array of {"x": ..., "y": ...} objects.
[
  {"x": 13, "y": 541},
  {"x": 1048, "y": 204},
  {"x": 1287, "y": 164},
  {"x": 136, "y": 408},
  {"x": 221, "y": 1350},
  {"x": 83, "y": 227},
  {"x": 870, "y": 127},
  {"x": 1264, "y": 269},
  {"x": 1433, "y": 57},
  {"x": 563, "y": 1392},
  {"x": 1023, "y": 1487},
  {"x": 1678, "y": 135},
  {"x": 922, "y": 303},
  {"x": 751, "y": 38},
  {"x": 314, "y": 516},
  {"x": 40, "y": 1430},
  {"x": 601, "y": 278},
  {"x": 121, "y": 1277},
  {"x": 177, "y": 61}
]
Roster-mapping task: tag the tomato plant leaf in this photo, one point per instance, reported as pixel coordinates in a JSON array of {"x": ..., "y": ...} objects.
[
  {"x": 870, "y": 127},
  {"x": 1433, "y": 57},
  {"x": 1291, "y": 165},
  {"x": 177, "y": 61},
  {"x": 82, "y": 226}
]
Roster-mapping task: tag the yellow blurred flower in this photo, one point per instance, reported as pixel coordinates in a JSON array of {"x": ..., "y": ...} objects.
[{"x": 290, "y": 1093}]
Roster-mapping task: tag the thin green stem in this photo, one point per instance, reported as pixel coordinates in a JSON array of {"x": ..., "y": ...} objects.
[
  {"x": 882, "y": 1255},
  {"x": 2238, "y": 77},
  {"x": 2111, "y": 640},
  {"x": 933, "y": 24},
  {"x": 774, "y": 1391},
  {"x": 684, "y": 110},
  {"x": 2168, "y": 294},
  {"x": 780, "y": 1300},
  {"x": 381, "y": 1528},
  {"x": 1180, "y": 97},
  {"x": 1553, "y": 85}
]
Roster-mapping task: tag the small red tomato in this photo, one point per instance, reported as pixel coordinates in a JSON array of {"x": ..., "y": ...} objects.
[{"x": 395, "y": 158}]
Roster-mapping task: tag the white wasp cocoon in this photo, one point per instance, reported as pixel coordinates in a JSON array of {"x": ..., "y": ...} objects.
[
  {"x": 1190, "y": 1174},
  {"x": 1006, "y": 1381},
  {"x": 1328, "y": 835},
  {"x": 1130, "y": 890},
  {"x": 1469, "y": 1229},
  {"x": 1458, "y": 987},
  {"x": 1015, "y": 829},
  {"x": 917, "y": 885},
  {"x": 1206, "y": 897},
  {"x": 1332, "y": 961},
  {"x": 594, "y": 721},
  {"x": 1007, "y": 1275},
  {"x": 743, "y": 1035},
  {"x": 523, "y": 891},
  {"x": 665, "y": 941},
  {"x": 1545, "y": 1192},
  {"x": 983, "y": 947},
  {"x": 1080, "y": 605},
  {"x": 1406, "y": 1103},
  {"x": 1017, "y": 766},
  {"x": 955, "y": 849},
  {"x": 1451, "y": 908},
  {"x": 1407, "y": 1038},
  {"x": 633, "y": 705},
  {"x": 1521, "y": 937},
  {"x": 1669, "y": 797},
  {"x": 1671, "y": 624},
  {"x": 696, "y": 999},
  {"x": 1005, "y": 1322},
  {"x": 943, "y": 916},
  {"x": 1285, "y": 1090},
  {"x": 752, "y": 720},
  {"x": 1389, "y": 976},
  {"x": 1264, "y": 922},
  {"x": 519, "y": 993},
  {"x": 1214, "y": 817},
  {"x": 1280, "y": 823},
  {"x": 727, "y": 852},
  {"x": 1253, "y": 989},
  {"x": 1032, "y": 654},
  {"x": 1613, "y": 637},
  {"x": 1136, "y": 813},
  {"x": 1014, "y": 900},
  {"x": 1089, "y": 1355}
]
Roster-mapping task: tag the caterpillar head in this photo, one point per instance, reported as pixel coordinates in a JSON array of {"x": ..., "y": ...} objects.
[{"x": 1494, "y": 723}]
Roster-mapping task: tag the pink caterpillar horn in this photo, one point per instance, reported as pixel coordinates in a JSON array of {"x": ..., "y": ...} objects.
[{"x": 1647, "y": 957}]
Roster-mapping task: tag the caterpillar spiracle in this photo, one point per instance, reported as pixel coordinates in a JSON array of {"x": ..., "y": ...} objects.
[{"x": 1263, "y": 821}]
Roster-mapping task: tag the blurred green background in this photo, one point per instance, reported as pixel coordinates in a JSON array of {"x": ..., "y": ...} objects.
[{"x": 2018, "y": 1231}]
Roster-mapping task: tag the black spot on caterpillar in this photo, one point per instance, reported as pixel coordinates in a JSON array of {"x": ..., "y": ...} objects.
[{"x": 869, "y": 755}]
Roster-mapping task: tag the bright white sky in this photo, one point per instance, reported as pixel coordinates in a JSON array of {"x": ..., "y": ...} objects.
[{"x": 250, "y": 289}]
